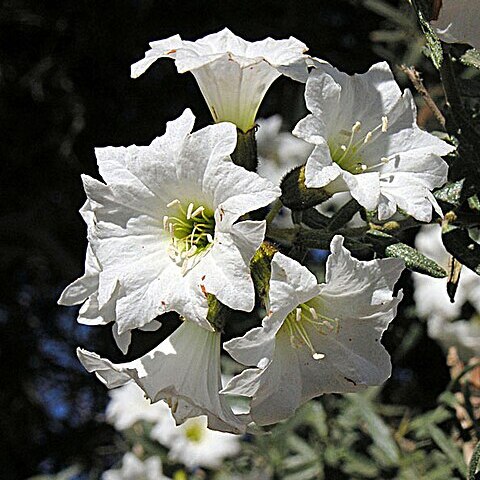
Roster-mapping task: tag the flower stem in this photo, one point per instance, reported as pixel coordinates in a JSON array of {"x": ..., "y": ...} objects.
[{"x": 276, "y": 207}]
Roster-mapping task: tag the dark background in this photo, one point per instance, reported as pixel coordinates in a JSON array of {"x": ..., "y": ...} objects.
[{"x": 65, "y": 88}]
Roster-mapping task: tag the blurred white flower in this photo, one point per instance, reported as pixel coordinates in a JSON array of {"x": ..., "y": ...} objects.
[
  {"x": 233, "y": 74},
  {"x": 459, "y": 22},
  {"x": 164, "y": 231},
  {"x": 317, "y": 338},
  {"x": 278, "y": 152},
  {"x": 194, "y": 444},
  {"x": 184, "y": 370},
  {"x": 433, "y": 302},
  {"x": 128, "y": 405},
  {"x": 367, "y": 142},
  {"x": 134, "y": 469}
]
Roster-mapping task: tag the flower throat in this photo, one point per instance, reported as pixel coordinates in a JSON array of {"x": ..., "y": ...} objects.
[{"x": 191, "y": 232}]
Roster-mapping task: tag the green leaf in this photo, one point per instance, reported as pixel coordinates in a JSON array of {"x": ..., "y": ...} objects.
[
  {"x": 474, "y": 203},
  {"x": 458, "y": 243},
  {"x": 472, "y": 469},
  {"x": 451, "y": 193},
  {"x": 433, "y": 43},
  {"x": 389, "y": 246},
  {"x": 471, "y": 58},
  {"x": 448, "y": 446},
  {"x": 380, "y": 433}
]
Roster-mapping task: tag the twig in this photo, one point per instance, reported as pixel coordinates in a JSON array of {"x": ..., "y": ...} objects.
[{"x": 414, "y": 77}]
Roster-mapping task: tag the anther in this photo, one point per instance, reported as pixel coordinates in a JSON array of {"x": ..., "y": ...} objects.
[
  {"x": 368, "y": 137},
  {"x": 165, "y": 222},
  {"x": 197, "y": 211},
  {"x": 313, "y": 312},
  {"x": 356, "y": 127},
  {"x": 384, "y": 124},
  {"x": 209, "y": 238},
  {"x": 298, "y": 314},
  {"x": 189, "y": 211},
  {"x": 318, "y": 356},
  {"x": 173, "y": 202}
]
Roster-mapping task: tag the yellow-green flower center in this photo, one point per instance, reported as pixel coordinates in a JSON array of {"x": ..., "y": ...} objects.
[
  {"x": 346, "y": 147},
  {"x": 191, "y": 229},
  {"x": 194, "y": 431},
  {"x": 305, "y": 320}
]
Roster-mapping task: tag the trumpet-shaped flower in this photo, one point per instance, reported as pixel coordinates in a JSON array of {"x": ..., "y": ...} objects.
[
  {"x": 459, "y": 22},
  {"x": 194, "y": 444},
  {"x": 134, "y": 469},
  {"x": 164, "y": 228},
  {"x": 184, "y": 370},
  {"x": 367, "y": 142},
  {"x": 316, "y": 338},
  {"x": 233, "y": 74}
]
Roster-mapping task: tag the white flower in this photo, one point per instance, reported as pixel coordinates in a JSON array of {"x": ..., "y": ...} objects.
[
  {"x": 317, "y": 338},
  {"x": 194, "y": 444},
  {"x": 433, "y": 302},
  {"x": 232, "y": 74},
  {"x": 278, "y": 152},
  {"x": 431, "y": 293},
  {"x": 459, "y": 22},
  {"x": 134, "y": 469},
  {"x": 165, "y": 230},
  {"x": 184, "y": 370},
  {"x": 367, "y": 142},
  {"x": 85, "y": 289},
  {"x": 128, "y": 406}
]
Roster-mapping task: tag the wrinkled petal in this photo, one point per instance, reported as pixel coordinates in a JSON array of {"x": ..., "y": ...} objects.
[{"x": 184, "y": 370}]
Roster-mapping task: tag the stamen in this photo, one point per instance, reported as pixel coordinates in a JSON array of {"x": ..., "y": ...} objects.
[
  {"x": 189, "y": 211},
  {"x": 384, "y": 124},
  {"x": 173, "y": 202},
  {"x": 197, "y": 211}
]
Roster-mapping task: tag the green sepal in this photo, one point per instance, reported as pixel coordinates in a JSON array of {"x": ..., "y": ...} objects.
[
  {"x": 296, "y": 196},
  {"x": 260, "y": 267},
  {"x": 218, "y": 313},
  {"x": 245, "y": 153}
]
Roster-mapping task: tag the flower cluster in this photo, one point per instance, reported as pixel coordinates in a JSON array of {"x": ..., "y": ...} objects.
[{"x": 181, "y": 226}]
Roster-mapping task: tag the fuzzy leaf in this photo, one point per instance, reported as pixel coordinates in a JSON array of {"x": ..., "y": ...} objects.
[
  {"x": 451, "y": 193},
  {"x": 389, "y": 246},
  {"x": 471, "y": 58}
]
